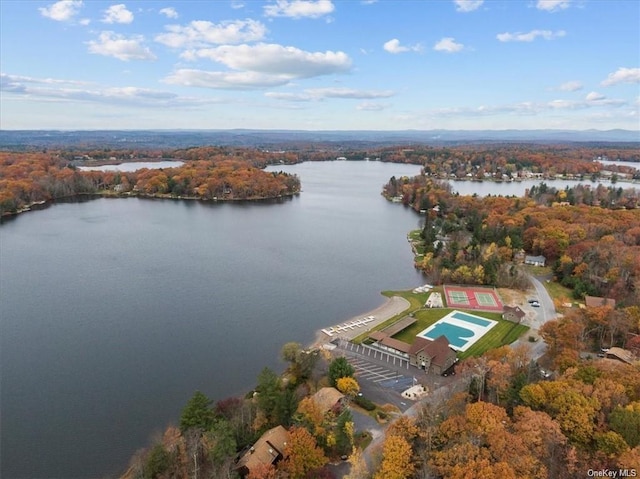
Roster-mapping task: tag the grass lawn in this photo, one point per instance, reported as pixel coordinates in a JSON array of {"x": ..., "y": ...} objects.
[
  {"x": 503, "y": 333},
  {"x": 557, "y": 291}
]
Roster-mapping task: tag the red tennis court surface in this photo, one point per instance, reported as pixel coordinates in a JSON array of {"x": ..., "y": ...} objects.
[{"x": 484, "y": 299}]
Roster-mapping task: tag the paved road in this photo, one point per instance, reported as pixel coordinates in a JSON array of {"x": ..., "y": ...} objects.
[{"x": 539, "y": 316}]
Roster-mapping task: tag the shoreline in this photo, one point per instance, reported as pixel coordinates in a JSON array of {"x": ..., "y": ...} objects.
[
  {"x": 388, "y": 309},
  {"x": 38, "y": 205}
]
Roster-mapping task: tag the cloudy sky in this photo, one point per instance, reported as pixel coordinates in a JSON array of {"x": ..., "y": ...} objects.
[{"x": 320, "y": 64}]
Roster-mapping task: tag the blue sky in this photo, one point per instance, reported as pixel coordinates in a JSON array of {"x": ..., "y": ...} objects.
[{"x": 320, "y": 65}]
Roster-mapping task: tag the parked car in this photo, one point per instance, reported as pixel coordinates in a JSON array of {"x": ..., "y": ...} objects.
[
  {"x": 535, "y": 304},
  {"x": 531, "y": 301}
]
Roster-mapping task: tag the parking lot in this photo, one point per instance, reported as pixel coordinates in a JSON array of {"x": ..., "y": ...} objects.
[
  {"x": 383, "y": 376},
  {"x": 387, "y": 378}
]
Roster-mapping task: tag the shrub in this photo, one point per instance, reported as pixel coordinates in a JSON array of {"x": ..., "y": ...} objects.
[{"x": 364, "y": 403}]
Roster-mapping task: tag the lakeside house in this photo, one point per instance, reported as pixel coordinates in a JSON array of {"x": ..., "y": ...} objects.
[
  {"x": 433, "y": 356},
  {"x": 267, "y": 450},
  {"x": 513, "y": 314},
  {"x": 620, "y": 354},
  {"x": 535, "y": 260},
  {"x": 597, "y": 301},
  {"x": 329, "y": 399}
]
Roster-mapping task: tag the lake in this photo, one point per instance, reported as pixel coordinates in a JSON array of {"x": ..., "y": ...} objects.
[
  {"x": 134, "y": 166},
  {"x": 114, "y": 311}
]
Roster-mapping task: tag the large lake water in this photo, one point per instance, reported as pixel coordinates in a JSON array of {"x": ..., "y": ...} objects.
[{"x": 114, "y": 311}]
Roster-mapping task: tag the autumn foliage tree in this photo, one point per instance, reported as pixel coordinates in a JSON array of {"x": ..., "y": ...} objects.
[{"x": 302, "y": 454}]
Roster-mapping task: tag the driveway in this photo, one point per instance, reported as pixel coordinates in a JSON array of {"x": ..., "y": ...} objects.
[{"x": 536, "y": 317}]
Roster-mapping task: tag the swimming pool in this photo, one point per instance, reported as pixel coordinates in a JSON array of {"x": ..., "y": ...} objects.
[
  {"x": 456, "y": 335},
  {"x": 461, "y": 329},
  {"x": 470, "y": 318}
]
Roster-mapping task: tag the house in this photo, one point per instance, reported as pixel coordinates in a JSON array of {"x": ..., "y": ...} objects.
[
  {"x": 433, "y": 356},
  {"x": 596, "y": 302},
  {"x": 535, "y": 260},
  {"x": 387, "y": 343},
  {"x": 269, "y": 449},
  {"x": 620, "y": 355},
  {"x": 328, "y": 399},
  {"x": 513, "y": 314}
]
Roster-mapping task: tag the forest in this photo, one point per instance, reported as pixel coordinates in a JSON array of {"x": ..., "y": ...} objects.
[
  {"x": 509, "y": 421},
  {"x": 29, "y": 176},
  {"x": 208, "y": 174},
  {"x": 589, "y": 235}
]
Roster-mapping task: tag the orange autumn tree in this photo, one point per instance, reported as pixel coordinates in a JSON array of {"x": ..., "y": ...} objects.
[
  {"x": 396, "y": 459},
  {"x": 302, "y": 454}
]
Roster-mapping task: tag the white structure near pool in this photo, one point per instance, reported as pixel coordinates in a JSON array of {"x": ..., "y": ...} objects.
[{"x": 461, "y": 329}]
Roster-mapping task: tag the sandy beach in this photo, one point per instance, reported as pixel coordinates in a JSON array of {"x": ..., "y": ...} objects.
[{"x": 391, "y": 307}]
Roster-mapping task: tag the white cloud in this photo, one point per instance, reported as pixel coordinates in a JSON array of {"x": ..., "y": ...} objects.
[
  {"x": 393, "y": 46},
  {"x": 298, "y": 97},
  {"x": 552, "y": 5},
  {"x": 85, "y": 21},
  {"x": 622, "y": 75},
  {"x": 62, "y": 11},
  {"x": 467, "y": 5},
  {"x": 225, "y": 80},
  {"x": 571, "y": 86},
  {"x": 349, "y": 93},
  {"x": 448, "y": 45},
  {"x": 322, "y": 93},
  {"x": 371, "y": 106},
  {"x": 168, "y": 12},
  {"x": 111, "y": 44},
  {"x": 201, "y": 33},
  {"x": 530, "y": 36},
  {"x": 299, "y": 8},
  {"x": 117, "y": 14},
  {"x": 78, "y": 91},
  {"x": 594, "y": 96},
  {"x": 276, "y": 59}
]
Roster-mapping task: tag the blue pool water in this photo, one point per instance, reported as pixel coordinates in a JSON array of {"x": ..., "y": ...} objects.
[
  {"x": 455, "y": 334},
  {"x": 471, "y": 319}
]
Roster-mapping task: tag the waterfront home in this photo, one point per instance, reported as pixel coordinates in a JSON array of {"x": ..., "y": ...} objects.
[
  {"x": 269, "y": 449},
  {"x": 596, "y": 302},
  {"x": 329, "y": 399},
  {"x": 433, "y": 356}
]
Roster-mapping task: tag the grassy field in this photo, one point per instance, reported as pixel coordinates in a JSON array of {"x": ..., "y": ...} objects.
[
  {"x": 503, "y": 333},
  {"x": 557, "y": 291}
]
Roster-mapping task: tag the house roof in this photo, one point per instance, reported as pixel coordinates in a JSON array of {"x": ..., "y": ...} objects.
[
  {"x": 537, "y": 259},
  {"x": 398, "y": 326},
  {"x": 266, "y": 449},
  {"x": 596, "y": 301},
  {"x": 438, "y": 349},
  {"x": 621, "y": 354},
  {"x": 377, "y": 335},
  {"x": 515, "y": 310},
  {"x": 389, "y": 342},
  {"x": 396, "y": 344},
  {"x": 326, "y": 398}
]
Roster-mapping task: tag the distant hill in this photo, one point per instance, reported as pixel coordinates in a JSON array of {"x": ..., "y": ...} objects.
[{"x": 123, "y": 139}]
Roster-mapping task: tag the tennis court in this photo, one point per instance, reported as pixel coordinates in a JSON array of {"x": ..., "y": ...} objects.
[{"x": 484, "y": 299}]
